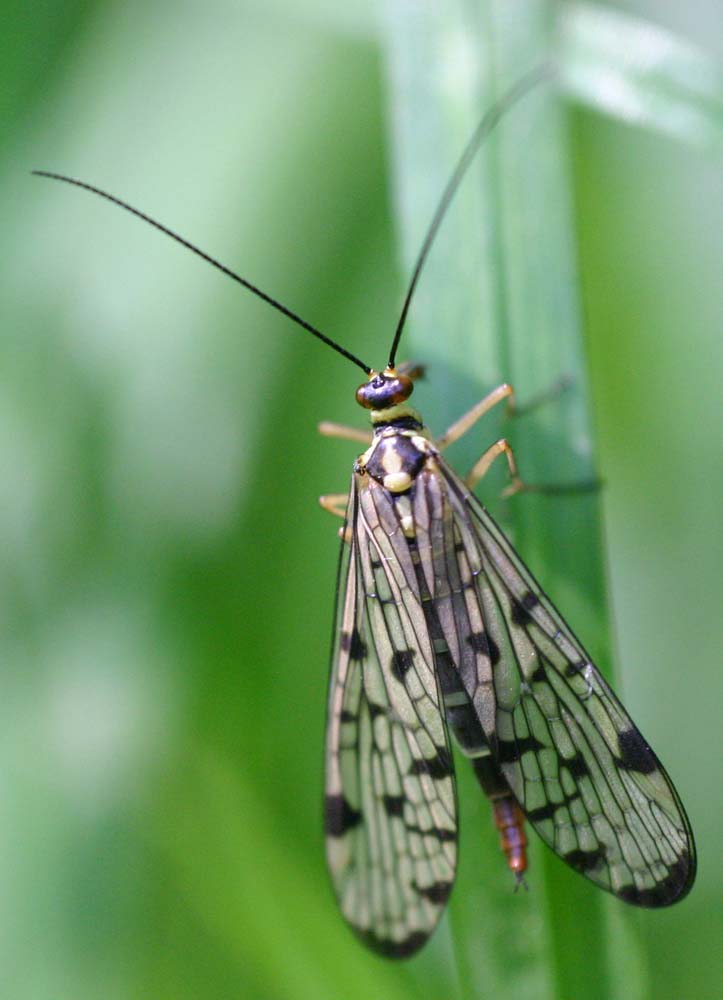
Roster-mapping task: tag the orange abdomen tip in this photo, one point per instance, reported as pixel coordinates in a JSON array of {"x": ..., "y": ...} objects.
[{"x": 510, "y": 821}]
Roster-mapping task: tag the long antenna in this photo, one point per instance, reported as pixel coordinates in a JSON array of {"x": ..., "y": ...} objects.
[
  {"x": 210, "y": 260},
  {"x": 516, "y": 92}
]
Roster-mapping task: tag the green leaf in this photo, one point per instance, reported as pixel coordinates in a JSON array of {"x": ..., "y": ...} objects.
[
  {"x": 500, "y": 301},
  {"x": 640, "y": 73}
]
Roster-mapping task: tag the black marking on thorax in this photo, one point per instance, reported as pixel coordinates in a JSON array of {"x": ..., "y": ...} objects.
[
  {"x": 401, "y": 423},
  {"x": 395, "y": 453}
]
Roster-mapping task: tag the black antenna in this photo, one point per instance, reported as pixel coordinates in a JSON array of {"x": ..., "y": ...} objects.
[
  {"x": 210, "y": 260},
  {"x": 517, "y": 91}
]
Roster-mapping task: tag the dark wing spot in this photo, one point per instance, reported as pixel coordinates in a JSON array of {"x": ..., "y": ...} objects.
[
  {"x": 573, "y": 669},
  {"x": 339, "y": 816},
  {"x": 483, "y": 643},
  {"x": 347, "y": 716},
  {"x": 436, "y": 767},
  {"x": 402, "y": 661},
  {"x": 672, "y": 888},
  {"x": 635, "y": 754},
  {"x": 585, "y": 861},
  {"x": 376, "y": 710},
  {"x": 438, "y": 832},
  {"x": 539, "y": 673},
  {"x": 509, "y": 751},
  {"x": 357, "y": 646},
  {"x": 393, "y": 805},
  {"x": 543, "y": 812},
  {"x": 393, "y": 949},
  {"x": 518, "y": 614},
  {"x": 576, "y": 766},
  {"x": 438, "y": 892},
  {"x": 520, "y": 609}
]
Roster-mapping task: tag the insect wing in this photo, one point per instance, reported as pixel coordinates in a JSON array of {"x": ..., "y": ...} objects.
[
  {"x": 390, "y": 807},
  {"x": 580, "y": 769}
]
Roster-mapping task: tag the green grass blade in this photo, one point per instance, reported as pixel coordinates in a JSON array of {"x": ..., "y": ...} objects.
[{"x": 500, "y": 301}]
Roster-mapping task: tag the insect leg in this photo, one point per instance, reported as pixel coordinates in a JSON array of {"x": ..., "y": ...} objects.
[
  {"x": 329, "y": 429},
  {"x": 481, "y": 466},
  {"x": 335, "y": 503},
  {"x": 518, "y": 485},
  {"x": 469, "y": 419}
]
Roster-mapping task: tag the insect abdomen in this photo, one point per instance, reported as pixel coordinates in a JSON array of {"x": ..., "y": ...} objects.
[
  {"x": 509, "y": 818},
  {"x": 510, "y": 821},
  {"x": 462, "y": 720}
]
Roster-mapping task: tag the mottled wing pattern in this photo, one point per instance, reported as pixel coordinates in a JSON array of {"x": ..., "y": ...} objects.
[
  {"x": 582, "y": 772},
  {"x": 391, "y": 812}
]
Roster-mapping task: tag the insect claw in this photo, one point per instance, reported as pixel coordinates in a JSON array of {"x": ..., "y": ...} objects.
[
  {"x": 516, "y": 486},
  {"x": 520, "y": 882}
]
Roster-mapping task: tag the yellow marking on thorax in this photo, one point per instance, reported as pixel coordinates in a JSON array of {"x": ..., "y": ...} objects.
[
  {"x": 396, "y": 480},
  {"x": 395, "y": 412}
]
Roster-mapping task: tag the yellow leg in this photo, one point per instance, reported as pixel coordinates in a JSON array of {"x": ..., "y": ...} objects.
[
  {"x": 518, "y": 485},
  {"x": 470, "y": 418},
  {"x": 502, "y": 447},
  {"x": 329, "y": 429},
  {"x": 481, "y": 467},
  {"x": 335, "y": 503}
]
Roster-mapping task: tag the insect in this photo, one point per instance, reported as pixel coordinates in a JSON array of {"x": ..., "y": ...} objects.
[{"x": 443, "y": 634}]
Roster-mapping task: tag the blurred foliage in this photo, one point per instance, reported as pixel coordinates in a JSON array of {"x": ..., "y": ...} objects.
[{"x": 167, "y": 579}]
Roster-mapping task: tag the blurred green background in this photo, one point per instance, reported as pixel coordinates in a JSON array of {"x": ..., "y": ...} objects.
[{"x": 167, "y": 578}]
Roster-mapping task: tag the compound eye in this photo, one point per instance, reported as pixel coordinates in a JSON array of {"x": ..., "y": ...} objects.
[{"x": 383, "y": 391}]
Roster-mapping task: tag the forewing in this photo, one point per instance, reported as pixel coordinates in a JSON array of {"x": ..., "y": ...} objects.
[
  {"x": 390, "y": 813},
  {"x": 580, "y": 769}
]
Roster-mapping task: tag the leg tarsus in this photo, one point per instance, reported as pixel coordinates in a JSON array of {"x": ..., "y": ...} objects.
[
  {"x": 335, "y": 503},
  {"x": 483, "y": 463},
  {"x": 504, "y": 391},
  {"x": 517, "y": 484}
]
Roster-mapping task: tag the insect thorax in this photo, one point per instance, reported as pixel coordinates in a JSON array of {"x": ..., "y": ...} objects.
[{"x": 396, "y": 456}]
